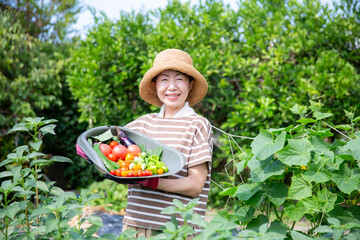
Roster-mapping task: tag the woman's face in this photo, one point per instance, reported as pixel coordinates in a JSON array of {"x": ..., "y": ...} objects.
[{"x": 173, "y": 88}]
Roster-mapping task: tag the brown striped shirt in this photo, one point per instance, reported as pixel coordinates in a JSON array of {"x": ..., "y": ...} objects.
[{"x": 192, "y": 136}]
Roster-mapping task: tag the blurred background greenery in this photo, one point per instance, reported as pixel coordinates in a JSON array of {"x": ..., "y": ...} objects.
[{"x": 259, "y": 59}]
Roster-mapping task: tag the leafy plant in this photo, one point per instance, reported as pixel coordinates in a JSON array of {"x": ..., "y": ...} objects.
[
  {"x": 31, "y": 207},
  {"x": 309, "y": 170}
]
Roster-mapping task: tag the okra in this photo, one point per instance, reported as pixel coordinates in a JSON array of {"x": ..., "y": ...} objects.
[{"x": 110, "y": 165}]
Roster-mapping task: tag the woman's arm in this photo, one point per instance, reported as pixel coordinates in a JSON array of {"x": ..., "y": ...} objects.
[{"x": 191, "y": 185}]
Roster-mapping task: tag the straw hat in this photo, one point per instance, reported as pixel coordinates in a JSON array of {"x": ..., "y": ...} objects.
[{"x": 178, "y": 60}]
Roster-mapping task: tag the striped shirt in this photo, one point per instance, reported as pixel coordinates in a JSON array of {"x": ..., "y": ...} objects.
[{"x": 192, "y": 136}]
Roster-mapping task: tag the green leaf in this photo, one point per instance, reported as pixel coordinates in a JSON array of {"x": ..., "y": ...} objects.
[
  {"x": 327, "y": 200},
  {"x": 297, "y": 152},
  {"x": 61, "y": 159},
  {"x": 51, "y": 224},
  {"x": 298, "y": 236},
  {"x": 323, "y": 229},
  {"x": 317, "y": 177},
  {"x": 42, "y": 186},
  {"x": 107, "y": 135},
  {"x": 321, "y": 146},
  {"x": 299, "y": 188},
  {"x": 264, "y": 144},
  {"x": 306, "y": 120},
  {"x": 246, "y": 191},
  {"x": 244, "y": 213},
  {"x": 262, "y": 170},
  {"x": 345, "y": 127},
  {"x": 346, "y": 180},
  {"x": 36, "y": 145},
  {"x": 321, "y": 133},
  {"x": 354, "y": 147},
  {"x": 295, "y": 213},
  {"x": 48, "y": 129},
  {"x": 35, "y": 154},
  {"x": 319, "y": 115},
  {"x": 6, "y": 174},
  {"x": 277, "y": 193},
  {"x": 228, "y": 191},
  {"x": 20, "y": 127},
  {"x": 299, "y": 109}
]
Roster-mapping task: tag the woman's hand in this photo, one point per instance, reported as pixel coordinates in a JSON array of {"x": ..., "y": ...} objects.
[{"x": 191, "y": 185}]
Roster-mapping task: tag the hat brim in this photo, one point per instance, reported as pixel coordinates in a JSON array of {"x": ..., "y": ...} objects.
[{"x": 148, "y": 92}]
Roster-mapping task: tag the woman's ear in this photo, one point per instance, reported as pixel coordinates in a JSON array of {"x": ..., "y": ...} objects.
[{"x": 191, "y": 85}]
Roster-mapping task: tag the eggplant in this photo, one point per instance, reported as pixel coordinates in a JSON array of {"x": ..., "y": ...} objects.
[{"x": 123, "y": 138}]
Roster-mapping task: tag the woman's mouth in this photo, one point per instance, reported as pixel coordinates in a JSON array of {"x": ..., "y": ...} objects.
[{"x": 172, "y": 96}]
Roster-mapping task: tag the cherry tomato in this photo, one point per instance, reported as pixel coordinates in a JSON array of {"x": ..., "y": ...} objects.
[
  {"x": 120, "y": 151},
  {"x": 129, "y": 157},
  {"x": 135, "y": 173},
  {"x": 118, "y": 172},
  {"x": 112, "y": 172},
  {"x": 137, "y": 167},
  {"x": 124, "y": 173},
  {"x": 124, "y": 169},
  {"x": 134, "y": 150},
  {"x": 160, "y": 171},
  {"x": 112, "y": 157},
  {"x": 140, "y": 173},
  {"x": 112, "y": 144},
  {"x": 130, "y": 174},
  {"x": 148, "y": 172},
  {"x": 105, "y": 149}
]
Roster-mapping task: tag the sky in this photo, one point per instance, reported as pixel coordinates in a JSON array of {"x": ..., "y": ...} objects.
[{"x": 112, "y": 9}]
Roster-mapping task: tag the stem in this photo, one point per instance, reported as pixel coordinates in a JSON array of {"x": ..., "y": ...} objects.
[
  {"x": 293, "y": 225},
  {"x": 276, "y": 212}
]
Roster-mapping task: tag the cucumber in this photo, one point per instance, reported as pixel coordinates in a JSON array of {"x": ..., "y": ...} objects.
[{"x": 110, "y": 165}]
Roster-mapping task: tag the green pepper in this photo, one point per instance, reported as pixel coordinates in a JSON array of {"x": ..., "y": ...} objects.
[
  {"x": 110, "y": 165},
  {"x": 153, "y": 169}
]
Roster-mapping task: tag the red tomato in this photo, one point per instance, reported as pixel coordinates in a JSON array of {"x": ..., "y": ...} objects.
[
  {"x": 112, "y": 172},
  {"x": 120, "y": 151},
  {"x": 130, "y": 174},
  {"x": 148, "y": 172},
  {"x": 112, "y": 157},
  {"x": 112, "y": 144},
  {"x": 124, "y": 169},
  {"x": 135, "y": 173},
  {"x": 140, "y": 173},
  {"x": 105, "y": 149},
  {"x": 118, "y": 172},
  {"x": 160, "y": 171},
  {"x": 129, "y": 157},
  {"x": 134, "y": 150}
]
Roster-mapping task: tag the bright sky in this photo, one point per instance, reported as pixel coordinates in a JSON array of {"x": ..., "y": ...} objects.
[{"x": 112, "y": 9}]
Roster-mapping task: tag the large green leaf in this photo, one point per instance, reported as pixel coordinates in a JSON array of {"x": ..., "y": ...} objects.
[
  {"x": 297, "y": 152},
  {"x": 264, "y": 144},
  {"x": 317, "y": 177},
  {"x": 354, "y": 147},
  {"x": 277, "y": 193},
  {"x": 295, "y": 213},
  {"x": 246, "y": 191},
  {"x": 263, "y": 169},
  {"x": 299, "y": 188},
  {"x": 321, "y": 147},
  {"x": 346, "y": 180},
  {"x": 327, "y": 200}
]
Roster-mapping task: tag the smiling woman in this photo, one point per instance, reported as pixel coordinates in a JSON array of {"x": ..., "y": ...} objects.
[{"x": 174, "y": 85}]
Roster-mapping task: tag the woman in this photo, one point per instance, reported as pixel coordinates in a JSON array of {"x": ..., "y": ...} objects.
[{"x": 174, "y": 85}]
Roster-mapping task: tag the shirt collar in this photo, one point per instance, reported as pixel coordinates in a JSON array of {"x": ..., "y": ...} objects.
[{"x": 185, "y": 111}]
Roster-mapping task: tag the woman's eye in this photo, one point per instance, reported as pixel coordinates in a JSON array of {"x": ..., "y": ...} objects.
[
  {"x": 163, "y": 80},
  {"x": 179, "y": 79}
]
